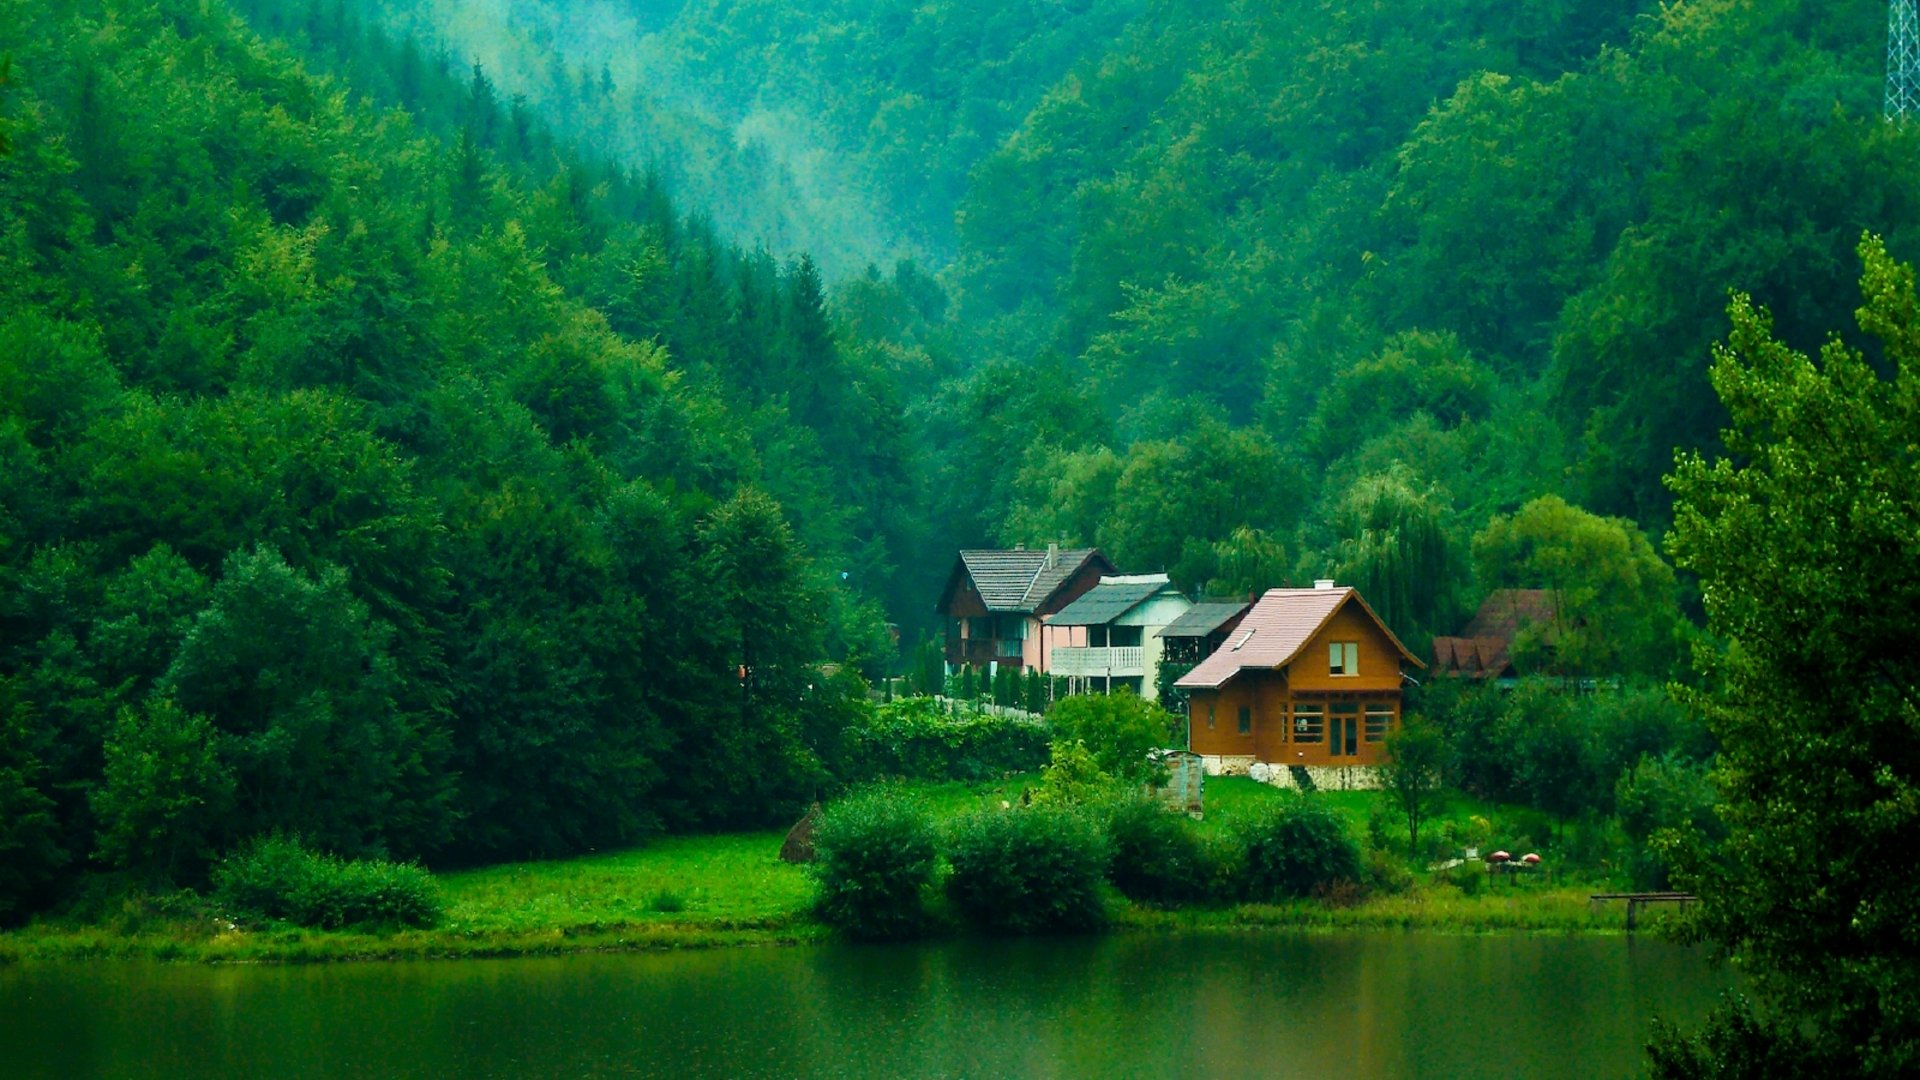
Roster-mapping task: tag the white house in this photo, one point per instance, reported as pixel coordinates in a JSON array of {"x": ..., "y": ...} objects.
[{"x": 1110, "y": 636}]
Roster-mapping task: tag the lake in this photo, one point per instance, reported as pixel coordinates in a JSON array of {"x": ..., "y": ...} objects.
[{"x": 1266, "y": 1004}]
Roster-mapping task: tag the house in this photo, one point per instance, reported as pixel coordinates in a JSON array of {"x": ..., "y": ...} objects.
[
  {"x": 1192, "y": 638},
  {"x": 1109, "y": 637},
  {"x": 1484, "y": 648},
  {"x": 1306, "y": 687},
  {"x": 995, "y": 601}
]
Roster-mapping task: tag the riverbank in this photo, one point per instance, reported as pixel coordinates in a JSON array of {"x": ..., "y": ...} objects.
[{"x": 716, "y": 892}]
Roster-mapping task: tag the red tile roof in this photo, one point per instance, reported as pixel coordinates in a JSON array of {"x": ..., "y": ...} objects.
[{"x": 1274, "y": 631}]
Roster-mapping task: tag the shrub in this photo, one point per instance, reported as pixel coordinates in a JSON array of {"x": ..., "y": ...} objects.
[
  {"x": 1385, "y": 874},
  {"x": 1295, "y": 847},
  {"x": 916, "y": 738},
  {"x": 1118, "y": 728},
  {"x": 1155, "y": 855},
  {"x": 1028, "y": 871},
  {"x": 277, "y": 878},
  {"x": 873, "y": 864},
  {"x": 1072, "y": 776}
]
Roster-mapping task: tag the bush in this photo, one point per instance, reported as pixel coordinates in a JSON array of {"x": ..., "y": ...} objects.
[
  {"x": 277, "y": 878},
  {"x": 873, "y": 863},
  {"x": 1119, "y": 728},
  {"x": 1028, "y": 871},
  {"x": 1155, "y": 855},
  {"x": 1384, "y": 874},
  {"x": 1294, "y": 848},
  {"x": 916, "y": 738}
]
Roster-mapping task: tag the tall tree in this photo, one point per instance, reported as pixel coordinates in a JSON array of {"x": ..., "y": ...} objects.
[{"x": 1807, "y": 542}]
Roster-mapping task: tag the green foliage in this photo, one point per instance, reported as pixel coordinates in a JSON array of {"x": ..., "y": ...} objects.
[
  {"x": 280, "y": 879},
  {"x": 1073, "y": 776},
  {"x": 1616, "y": 609},
  {"x": 1803, "y": 539},
  {"x": 919, "y": 739},
  {"x": 1413, "y": 777},
  {"x": 1664, "y": 805},
  {"x": 1118, "y": 729},
  {"x": 1027, "y": 871},
  {"x": 1296, "y": 847},
  {"x": 1395, "y": 550},
  {"x": 165, "y": 794},
  {"x": 875, "y": 854},
  {"x": 1157, "y": 856}
]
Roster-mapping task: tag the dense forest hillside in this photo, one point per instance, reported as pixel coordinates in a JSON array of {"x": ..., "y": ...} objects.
[
  {"x": 466, "y": 369},
  {"x": 434, "y": 494}
]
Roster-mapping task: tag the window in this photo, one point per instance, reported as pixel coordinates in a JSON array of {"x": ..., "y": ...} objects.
[
  {"x": 1096, "y": 637},
  {"x": 1013, "y": 627},
  {"x": 1343, "y": 658},
  {"x": 1124, "y": 637},
  {"x": 1379, "y": 721},
  {"x": 1209, "y": 716},
  {"x": 1309, "y": 721},
  {"x": 1246, "y": 720}
]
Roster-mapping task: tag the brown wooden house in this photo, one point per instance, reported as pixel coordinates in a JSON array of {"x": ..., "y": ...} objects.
[
  {"x": 995, "y": 601},
  {"x": 1309, "y": 677}
]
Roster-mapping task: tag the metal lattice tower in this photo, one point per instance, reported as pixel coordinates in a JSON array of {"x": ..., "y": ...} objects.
[{"x": 1903, "y": 60}]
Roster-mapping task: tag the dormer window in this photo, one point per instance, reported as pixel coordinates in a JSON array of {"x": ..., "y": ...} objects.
[{"x": 1343, "y": 658}]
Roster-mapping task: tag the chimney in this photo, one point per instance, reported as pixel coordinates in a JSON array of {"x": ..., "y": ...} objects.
[
  {"x": 1324, "y": 584},
  {"x": 1053, "y": 555}
]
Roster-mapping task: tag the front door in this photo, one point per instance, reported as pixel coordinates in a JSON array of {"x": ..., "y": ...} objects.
[{"x": 1343, "y": 729}]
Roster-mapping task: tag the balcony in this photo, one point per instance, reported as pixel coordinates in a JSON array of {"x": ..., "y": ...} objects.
[{"x": 1121, "y": 662}]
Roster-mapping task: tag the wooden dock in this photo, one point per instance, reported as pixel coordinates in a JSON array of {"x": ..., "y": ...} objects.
[{"x": 1635, "y": 900}]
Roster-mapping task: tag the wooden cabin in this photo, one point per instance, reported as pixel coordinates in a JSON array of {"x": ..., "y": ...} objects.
[
  {"x": 1310, "y": 677},
  {"x": 995, "y": 601}
]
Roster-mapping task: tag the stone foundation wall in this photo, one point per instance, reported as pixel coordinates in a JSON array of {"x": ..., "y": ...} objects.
[
  {"x": 1226, "y": 764},
  {"x": 1324, "y": 777}
]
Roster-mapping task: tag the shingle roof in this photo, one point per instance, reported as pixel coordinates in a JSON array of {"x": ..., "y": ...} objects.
[
  {"x": 1484, "y": 648},
  {"x": 1110, "y": 599},
  {"x": 1019, "y": 579},
  {"x": 1505, "y": 611},
  {"x": 1204, "y": 618},
  {"x": 1273, "y": 632},
  {"x": 1474, "y": 658}
]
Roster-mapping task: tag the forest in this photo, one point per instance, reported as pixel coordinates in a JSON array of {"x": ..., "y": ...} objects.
[{"x": 464, "y": 432}]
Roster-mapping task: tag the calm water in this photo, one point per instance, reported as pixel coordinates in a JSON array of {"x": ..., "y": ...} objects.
[{"x": 1269, "y": 1004}]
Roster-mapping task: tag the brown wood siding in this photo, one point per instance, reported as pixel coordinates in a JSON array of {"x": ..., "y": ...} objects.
[{"x": 1379, "y": 660}]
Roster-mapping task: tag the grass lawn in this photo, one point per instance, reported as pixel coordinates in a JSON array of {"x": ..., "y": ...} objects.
[{"x": 698, "y": 891}]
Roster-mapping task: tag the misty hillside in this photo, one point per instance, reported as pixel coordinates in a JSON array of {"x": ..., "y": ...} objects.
[{"x": 426, "y": 322}]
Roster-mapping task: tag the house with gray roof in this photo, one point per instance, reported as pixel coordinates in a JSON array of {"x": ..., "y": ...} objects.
[
  {"x": 1110, "y": 637},
  {"x": 996, "y": 600}
]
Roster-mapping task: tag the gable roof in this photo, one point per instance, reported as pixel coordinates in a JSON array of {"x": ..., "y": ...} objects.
[
  {"x": 1205, "y": 617},
  {"x": 1112, "y": 598},
  {"x": 1505, "y": 611},
  {"x": 1021, "y": 580},
  {"x": 1273, "y": 633},
  {"x": 1484, "y": 649}
]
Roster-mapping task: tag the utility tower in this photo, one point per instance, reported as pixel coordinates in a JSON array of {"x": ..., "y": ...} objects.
[{"x": 1903, "y": 60}]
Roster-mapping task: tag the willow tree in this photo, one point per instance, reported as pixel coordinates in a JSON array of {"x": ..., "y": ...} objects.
[
  {"x": 1395, "y": 550},
  {"x": 1806, "y": 538}
]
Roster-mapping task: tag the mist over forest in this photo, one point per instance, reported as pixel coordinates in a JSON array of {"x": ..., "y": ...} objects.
[{"x": 472, "y": 430}]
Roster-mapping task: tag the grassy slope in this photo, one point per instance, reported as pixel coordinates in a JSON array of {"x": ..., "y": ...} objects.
[{"x": 699, "y": 891}]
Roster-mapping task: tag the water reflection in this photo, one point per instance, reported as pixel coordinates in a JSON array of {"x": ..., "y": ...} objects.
[{"x": 1265, "y": 1004}]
